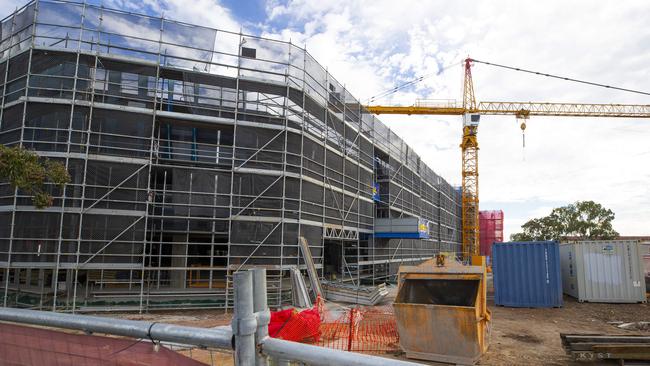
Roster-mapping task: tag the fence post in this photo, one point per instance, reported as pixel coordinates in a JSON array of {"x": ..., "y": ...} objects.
[
  {"x": 351, "y": 329},
  {"x": 243, "y": 321},
  {"x": 261, "y": 309}
]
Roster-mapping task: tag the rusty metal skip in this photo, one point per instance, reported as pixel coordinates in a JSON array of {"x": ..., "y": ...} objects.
[{"x": 441, "y": 311}]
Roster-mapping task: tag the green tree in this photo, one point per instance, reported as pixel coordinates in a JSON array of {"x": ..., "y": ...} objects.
[
  {"x": 583, "y": 219},
  {"x": 25, "y": 170}
]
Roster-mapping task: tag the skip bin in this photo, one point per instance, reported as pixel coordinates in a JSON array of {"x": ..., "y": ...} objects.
[
  {"x": 527, "y": 274},
  {"x": 603, "y": 271},
  {"x": 441, "y": 312}
]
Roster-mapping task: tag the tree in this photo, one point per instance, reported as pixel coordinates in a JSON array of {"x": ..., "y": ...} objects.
[
  {"x": 25, "y": 170},
  {"x": 583, "y": 219}
]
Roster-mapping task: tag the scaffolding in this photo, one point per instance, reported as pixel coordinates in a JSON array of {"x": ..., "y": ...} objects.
[{"x": 194, "y": 153}]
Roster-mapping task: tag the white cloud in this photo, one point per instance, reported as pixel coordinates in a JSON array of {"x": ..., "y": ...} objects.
[
  {"x": 9, "y": 6},
  {"x": 207, "y": 13}
]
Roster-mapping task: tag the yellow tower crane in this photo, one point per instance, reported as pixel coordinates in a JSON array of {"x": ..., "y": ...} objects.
[{"x": 471, "y": 112}]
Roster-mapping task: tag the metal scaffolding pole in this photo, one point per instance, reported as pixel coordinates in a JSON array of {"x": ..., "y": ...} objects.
[
  {"x": 13, "y": 213},
  {"x": 261, "y": 309}
]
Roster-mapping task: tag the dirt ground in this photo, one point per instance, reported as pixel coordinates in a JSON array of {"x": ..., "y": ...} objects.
[
  {"x": 531, "y": 336},
  {"x": 519, "y": 336},
  {"x": 523, "y": 336}
]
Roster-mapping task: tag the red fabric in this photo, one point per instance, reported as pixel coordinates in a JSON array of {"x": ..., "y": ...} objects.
[
  {"x": 281, "y": 316},
  {"x": 278, "y": 320},
  {"x": 295, "y": 326}
]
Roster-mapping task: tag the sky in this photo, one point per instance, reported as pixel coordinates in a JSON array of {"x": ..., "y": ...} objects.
[{"x": 371, "y": 46}]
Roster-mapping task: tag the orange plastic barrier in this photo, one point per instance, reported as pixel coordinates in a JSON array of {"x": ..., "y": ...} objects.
[{"x": 364, "y": 329}]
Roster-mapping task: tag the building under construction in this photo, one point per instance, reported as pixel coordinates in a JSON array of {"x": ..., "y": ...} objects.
[{"x": 194, "y": 153}]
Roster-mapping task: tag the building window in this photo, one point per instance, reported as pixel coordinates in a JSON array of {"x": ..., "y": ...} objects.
[{"x": 248, "y": 52}]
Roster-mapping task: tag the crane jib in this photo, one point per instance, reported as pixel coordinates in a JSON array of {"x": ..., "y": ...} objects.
[
  {"x": 525, "y": 109},
  {"x": 521, "y": 110}
]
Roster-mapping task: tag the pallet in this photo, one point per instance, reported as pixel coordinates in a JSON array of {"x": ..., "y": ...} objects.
[
  {"x": 596, "y": 347},
  {"x": 362, "y": 295}
]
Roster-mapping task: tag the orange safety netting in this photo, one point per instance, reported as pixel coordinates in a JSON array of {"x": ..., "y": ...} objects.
[{"x": 368, "y": 329}]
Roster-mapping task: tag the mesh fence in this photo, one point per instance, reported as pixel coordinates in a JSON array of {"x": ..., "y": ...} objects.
[
  {"x": 364, "y": 329},
  {"x": 360, "y": 329},
  {"x": 20, "y": 345}
]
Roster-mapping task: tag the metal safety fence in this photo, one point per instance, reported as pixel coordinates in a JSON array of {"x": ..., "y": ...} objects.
[{"x": 247, "y": 338}]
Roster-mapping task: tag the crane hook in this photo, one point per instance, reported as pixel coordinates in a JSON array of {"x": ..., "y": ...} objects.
[{"x": 522, "y": 117}]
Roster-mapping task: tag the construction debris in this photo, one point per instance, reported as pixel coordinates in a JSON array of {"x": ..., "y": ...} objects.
[
  {"x": 596, "y": 347},
  {"x": 311, "y": 268},
  {"x": 299, "y": 292},
  {"x": 644, "y": 326},
  {"x": 363, "y": 295}
]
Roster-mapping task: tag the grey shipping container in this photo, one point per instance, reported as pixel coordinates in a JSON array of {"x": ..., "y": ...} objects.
[{"x": 603, "y": 271}]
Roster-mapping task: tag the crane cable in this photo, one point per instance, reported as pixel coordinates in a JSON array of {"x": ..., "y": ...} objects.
[
  {"x": 523, "y": 125},
  {"x": 411, "y": 82},
  {"x": 563, "y": 78}
]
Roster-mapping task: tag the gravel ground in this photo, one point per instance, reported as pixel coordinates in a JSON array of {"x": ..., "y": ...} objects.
[{"x": 522, "y": 336}]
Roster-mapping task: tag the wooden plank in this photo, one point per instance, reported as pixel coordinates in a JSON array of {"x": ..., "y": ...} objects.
[
  {"x": 604, "y": 355},
  {"x": 591, "y": 347},
  {"x": 588, "y": 346},
  {"x": 577, "y": 338},
  {"x": 622, "y": 348}
]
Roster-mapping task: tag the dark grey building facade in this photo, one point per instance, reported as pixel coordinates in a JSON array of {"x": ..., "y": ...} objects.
[{"x": 194, "y": 153}]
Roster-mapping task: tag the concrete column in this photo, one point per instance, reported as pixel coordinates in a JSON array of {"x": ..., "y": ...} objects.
[{"x": 179, "y": 260}]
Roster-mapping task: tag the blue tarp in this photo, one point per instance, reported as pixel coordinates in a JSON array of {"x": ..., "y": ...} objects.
[{"x": 418, "y": 235}]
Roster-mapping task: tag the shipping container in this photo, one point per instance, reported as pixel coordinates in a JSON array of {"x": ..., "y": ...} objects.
[
  {"x": 603, "y": 271},
  {"x": 646, "y": 261},
  {"x": 491, "y": 230},
  {"x": 645, "y": 247},
  {"x": 527, "y": 274}
]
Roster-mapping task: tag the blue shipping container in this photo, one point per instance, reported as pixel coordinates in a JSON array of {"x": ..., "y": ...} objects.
[{"x": 527, "y": 274}]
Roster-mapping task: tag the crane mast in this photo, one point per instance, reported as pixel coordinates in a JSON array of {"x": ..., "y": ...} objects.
[
  {"x": 471, "y": 112},
  {"x": 469, "y": 148}
]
